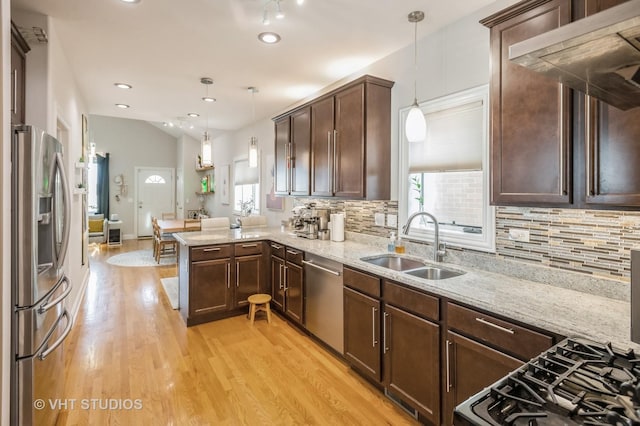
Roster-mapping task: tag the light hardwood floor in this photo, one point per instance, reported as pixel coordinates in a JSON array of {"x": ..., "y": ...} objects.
[{"x": 128, "y": 344}]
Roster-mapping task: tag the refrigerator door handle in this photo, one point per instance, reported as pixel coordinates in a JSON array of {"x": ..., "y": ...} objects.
[
  {"x": 64, "y": 244},
  {"x": 61, "y": 339},
  {"x": 46, "y": 305}
]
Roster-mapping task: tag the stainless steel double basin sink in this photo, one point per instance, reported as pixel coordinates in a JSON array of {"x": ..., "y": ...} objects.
[{"x": 411, "y": 267}]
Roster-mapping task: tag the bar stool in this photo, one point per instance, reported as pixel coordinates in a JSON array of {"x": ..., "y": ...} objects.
[{"x": 259, "y": 302}]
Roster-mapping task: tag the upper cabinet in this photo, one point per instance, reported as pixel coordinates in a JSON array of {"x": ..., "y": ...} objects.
[
  {"x": 551, "y": 146},
  {"x": 19, "y": 49},
  {"x": 530, "y": 113},
  {"x": 292, "y": 152},
  {"x": 350, "y": 143}
]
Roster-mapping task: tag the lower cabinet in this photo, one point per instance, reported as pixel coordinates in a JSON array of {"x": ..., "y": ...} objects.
[
  {"x": 470, "y": 367},
  {"x": 287, "y": 291},
  {"x": 220, "y": 279},
  {"x": 362, "y": 333},
  {"x": 210, "y": 286},
  {"x": 428, "y": 354}
]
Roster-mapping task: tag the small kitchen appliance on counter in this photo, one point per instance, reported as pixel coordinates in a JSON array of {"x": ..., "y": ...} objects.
[
  {"x": 576, "y": 382},
  {"x": 309, "y": 221}
]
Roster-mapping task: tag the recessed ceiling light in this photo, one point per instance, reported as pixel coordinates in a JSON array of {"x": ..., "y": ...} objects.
[
  {"x": 208, "y": 99},
  {"x": 130, "y": 1},
  {"x": 123, "y": 106},
  {"x": 123, "y": 85},
  {"x": 269, "y": 38},
  {"x": 193, "y": 114}
]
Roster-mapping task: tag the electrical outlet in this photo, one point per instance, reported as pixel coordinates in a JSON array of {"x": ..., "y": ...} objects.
[
  {"x": 521, "y": 235},
  {"x": 392, "y": 220},
  {"x": 378, "y": 219}
]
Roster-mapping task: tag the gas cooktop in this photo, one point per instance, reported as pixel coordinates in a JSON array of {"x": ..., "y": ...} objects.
[{"x": 576, "y": 382}]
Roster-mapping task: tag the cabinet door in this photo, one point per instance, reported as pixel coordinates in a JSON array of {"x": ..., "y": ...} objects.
[
  {"x": 362, "y": 333},
  {"x": 281, "y": 164},
  {"x": 530, "y": 113},
  {"x": 294, "y": 293},
  {"x": 612, "y": 149},
  {"x": 322, "y": 147},
  {"x": 412, "y": 360},
  {"x": 348, "y": 153},
  {"x": 469, "y": 368},
  {"x": 277, "y": 282},
  {"x": 248, "y": 280},
  {"x": 301, "y": 151},
  {"x": 210, "y": 286}
]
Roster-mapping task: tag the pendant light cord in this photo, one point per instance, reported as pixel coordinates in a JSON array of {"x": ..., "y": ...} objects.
[{"x": 415, "y": 62}]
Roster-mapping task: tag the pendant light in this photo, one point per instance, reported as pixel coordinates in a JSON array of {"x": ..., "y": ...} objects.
[
  {"x": 206, "y": 145},
  {"x": 253, "y": 142},
  {"x": 415, "y": 126}
]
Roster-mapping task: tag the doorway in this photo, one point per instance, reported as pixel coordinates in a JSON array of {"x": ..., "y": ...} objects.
[{"x": 155, "y": 194}]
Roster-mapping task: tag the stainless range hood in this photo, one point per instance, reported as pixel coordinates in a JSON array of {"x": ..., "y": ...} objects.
[{"x": 598, "y": 55}]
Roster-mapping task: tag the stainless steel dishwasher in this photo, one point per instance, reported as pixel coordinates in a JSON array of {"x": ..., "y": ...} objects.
[{"x": 323, "y": 300}]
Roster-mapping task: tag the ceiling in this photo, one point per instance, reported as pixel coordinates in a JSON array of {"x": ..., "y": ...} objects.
[{"x": 163, "y": 47}]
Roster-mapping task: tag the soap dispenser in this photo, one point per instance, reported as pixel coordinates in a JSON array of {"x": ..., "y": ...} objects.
[{"x": 391, "y": 246}]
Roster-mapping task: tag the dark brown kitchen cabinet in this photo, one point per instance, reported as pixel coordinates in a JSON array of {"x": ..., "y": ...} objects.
[
  {"x": 210, "y": 287},
  {"x": 362, "y": 333},
  {"x": 612, "y": 151},
  {"x": 470, "y": 367},
  {"x": 351, "y": 141},
  {"x": 19, "y": 49},
  {"x": 531, "y": 155},
  {"x": 287, "y": 290},
  {"x": 293, "y": 285},
  {"x": 293, "y": 152},
  {"x": 412, "y": 361},
  {"x": 248, "y": 278}
]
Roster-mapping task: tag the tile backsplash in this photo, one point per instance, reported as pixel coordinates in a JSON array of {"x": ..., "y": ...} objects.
[{"x": 594, "y": 242}]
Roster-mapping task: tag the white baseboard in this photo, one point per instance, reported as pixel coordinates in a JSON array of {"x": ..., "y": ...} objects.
[{"x": 83, "y": 288}]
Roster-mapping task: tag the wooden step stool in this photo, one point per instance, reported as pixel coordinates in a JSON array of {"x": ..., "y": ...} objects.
[{"x": 259, "y": 302}]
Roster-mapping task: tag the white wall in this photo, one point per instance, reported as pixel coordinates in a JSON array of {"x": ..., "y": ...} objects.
[{"x": 130, "y": 144}]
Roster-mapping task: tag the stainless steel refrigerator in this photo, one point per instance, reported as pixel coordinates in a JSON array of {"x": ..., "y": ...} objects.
[{"x": 40, "y": 216}]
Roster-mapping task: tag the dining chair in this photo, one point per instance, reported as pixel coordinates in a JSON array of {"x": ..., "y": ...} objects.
[
  {"x": 192, "y": 225},
  {"x": 166, "y": 216},
  {"x": 165, "y": 244}
]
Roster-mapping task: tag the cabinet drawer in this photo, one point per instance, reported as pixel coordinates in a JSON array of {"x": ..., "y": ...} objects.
[
  {"x": 243, "y": 249},
  {"x": 366, "y": 283},
  {"x": 294, "y": 256},
  {"x": 210, "y": 252},
  {"x": 277, "y": 250},
  {"x": 520, "y": 341},
  {"x": 411, "y": 300}
]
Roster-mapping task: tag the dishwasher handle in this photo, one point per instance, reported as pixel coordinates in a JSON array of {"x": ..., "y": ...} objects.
[{"x": 331, "y": 271}]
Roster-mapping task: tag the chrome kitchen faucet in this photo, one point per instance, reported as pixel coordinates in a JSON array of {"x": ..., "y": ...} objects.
[{"x": 438, "y": 253}]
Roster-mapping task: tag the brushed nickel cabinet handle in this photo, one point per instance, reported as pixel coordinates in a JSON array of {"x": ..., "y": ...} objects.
[
  {"x": 496, "y": 326},
  {"x": 448, "y": 366},
  {"x": 335, "y": 162},
  {"x": 228, "y": 266},
  {"x": 275, "y": 246},
  {"x": 374, "y": 342},
  {"x": 286, "y": 268},
  {"x": 385, "y": 347},
  {"x": 249, "y": 245},
  {"x": 14, "y": 94},
  {"x": 237, "y": 274},
  {"x": 280, "y": 277},
  {"x": 211, "y": 249},
  {"x": 294, "y": 253}
]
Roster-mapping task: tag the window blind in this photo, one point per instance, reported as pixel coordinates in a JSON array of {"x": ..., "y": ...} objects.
[
  {"x": 245, "y": 175},
  {"x": 453, "y": 142}
]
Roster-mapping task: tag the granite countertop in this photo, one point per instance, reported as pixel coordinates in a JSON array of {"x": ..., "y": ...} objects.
[{"x": 560, "y": 310}]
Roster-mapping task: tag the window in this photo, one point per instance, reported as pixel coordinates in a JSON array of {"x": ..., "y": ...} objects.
[
  {"x": 246, "y": 184},
  {"x": 155, "y": 179},
  {"x": 447, "y": 175}
]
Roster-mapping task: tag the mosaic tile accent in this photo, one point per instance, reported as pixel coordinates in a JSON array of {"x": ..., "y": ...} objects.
[{"x": 594, "y": 242}]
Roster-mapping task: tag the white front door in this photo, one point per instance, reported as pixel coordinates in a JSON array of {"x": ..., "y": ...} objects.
[{"x": 155, "y": 194}]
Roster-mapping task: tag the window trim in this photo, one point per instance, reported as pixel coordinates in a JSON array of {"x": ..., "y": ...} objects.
[{"x": 484, "y": 241}]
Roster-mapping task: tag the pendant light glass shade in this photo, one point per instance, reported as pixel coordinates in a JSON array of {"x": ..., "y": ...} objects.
[
  {"x": 207, "y": 159},
  {"x": 253, "y": 152},
  {"x": 415, "y": 128}
]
